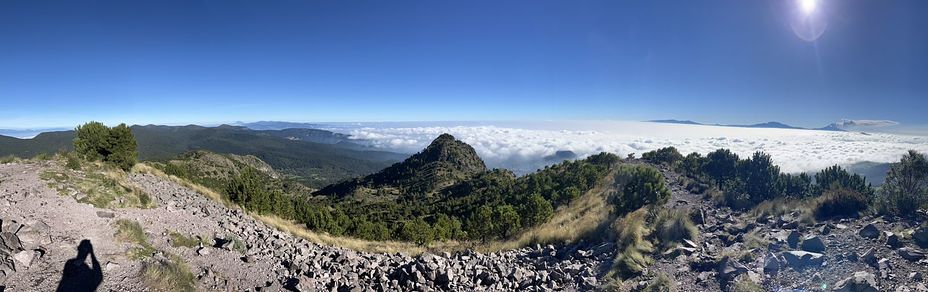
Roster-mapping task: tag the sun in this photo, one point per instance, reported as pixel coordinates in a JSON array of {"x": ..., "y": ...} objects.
[{"x": 808, "y": 6}]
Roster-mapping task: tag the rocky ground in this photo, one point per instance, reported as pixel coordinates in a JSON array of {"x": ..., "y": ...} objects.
[
  {"x": 42, "y": 230},
  {"x": 783, "y": 253}
]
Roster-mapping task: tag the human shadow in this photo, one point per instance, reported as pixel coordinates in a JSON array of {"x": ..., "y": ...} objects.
[{"x": 79, "y": 277}]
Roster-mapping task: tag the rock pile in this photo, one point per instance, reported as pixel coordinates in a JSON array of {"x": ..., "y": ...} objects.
[{"x": 20, "y": 245}]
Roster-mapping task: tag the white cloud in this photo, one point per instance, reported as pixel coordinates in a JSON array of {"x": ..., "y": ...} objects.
[
  {"x": 523, "y": 146},
  {"x": 846, "y": 123}
]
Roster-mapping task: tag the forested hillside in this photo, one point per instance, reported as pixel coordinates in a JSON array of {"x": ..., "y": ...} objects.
[{"x": 313, "y": 157}]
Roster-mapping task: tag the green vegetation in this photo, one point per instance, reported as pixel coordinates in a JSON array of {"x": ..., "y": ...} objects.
[
  {"x": 169, "y": 275},
  {"x": 672, "y": 226},
  {"x": 639, "y": 185},
  {"x": 745, "y": 183},
  {"x": 667, "y": 156},
  {"x": 486, "y": 206},
  {"x": 7, "y": 159},
  {"x": 73, "y": 163},
  {"x": 906, "y": 186},
  {"x": 180, "y": 240},
  {"x": 634, "y": 249},
  {"x": 95, "y": 141},
  {"x": 131, "y": 232},
  {"x": 99, "y": 185},
  {"x": 840, "y": 203},
  {"x": 660, "y": 283},
  {"x": 160, "y": 274}
]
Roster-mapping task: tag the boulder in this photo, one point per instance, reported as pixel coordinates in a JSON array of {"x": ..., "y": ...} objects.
[
  {"x": 728, "y": 269},
  {"x": 861, "y": 281},
  {"x": 869, "y": 231},
  {"x": 771, "y": 264},
  {"x": 793, "y": 239},
  {"x": 813, "y": 244},
  {"x": 25, "y": 258},
  {"x": 802, "y": 259},
  {"x": 10, "y": 242},
  {"x": 911, "y": 254},
  {"x": 920, "y": 236},
  {"x": 892, "y": 239},
  {"x": 869, "y": 257}
]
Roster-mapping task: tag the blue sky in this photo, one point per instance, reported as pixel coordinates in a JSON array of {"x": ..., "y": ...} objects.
[{"x": 731, "y": 61}]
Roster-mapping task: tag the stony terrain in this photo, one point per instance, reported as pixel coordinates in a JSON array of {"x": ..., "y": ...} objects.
[
  {"x": 42, "y": 231},
  {"x": 783, "y": 253}
]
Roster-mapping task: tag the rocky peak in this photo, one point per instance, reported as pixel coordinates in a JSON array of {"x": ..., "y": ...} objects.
[
  {"x": 456, "y": 153},
  {"x": 444, "y": 162}
]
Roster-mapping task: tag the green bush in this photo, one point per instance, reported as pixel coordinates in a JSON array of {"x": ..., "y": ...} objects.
[
  {"x": 760, "y": 177},
  {"x": 692, "y": 166},
  {"x": 482, "y": 224},
  {"x": 906, "y": 186},
  {"x": 640, "y": 185},
  {"x": 7, "y": 159},
  {"x": 537, "y": 210},
  {"x": 836, "y": 177},
  {"x": 507, "y": 221},
  {"x": 721, "y": 165},
  {"x": 418, "y": 231},
  {"x": 95, "y": 141},
  {"x": 73, "y": 163},
  {"x": 840, "y": 203},
  {"x": 666, "y": 156}
]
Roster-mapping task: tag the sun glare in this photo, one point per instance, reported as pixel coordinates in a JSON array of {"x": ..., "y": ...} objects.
[{"x": 807, "y": 6}]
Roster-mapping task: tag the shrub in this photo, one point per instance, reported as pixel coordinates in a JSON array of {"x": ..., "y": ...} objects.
[
  {"x": 73, "y": 163},
  {"x": 418, "y": 231},
  {"x": 836, "y": 177},
  {"x": 666, "y": 156},
  {"x": 840, "y": 203},
  {"x": 692, "y": 165},
  {"x": 447, "y": 228},
  {"x": 906, "y": 186},
  {"x": 672, "y": 227},
  {"x": 481, "y": 223},
  {"x": 507, "y": 220},
  {"x": 536, "y": 210},
  {"x": 796, "y": 186},
  {"x": 95, "y": 141},
  {"x": 721, "y": 165},
  {"x": 640, "y": 186},
  {"x": 760, "y": 177}
]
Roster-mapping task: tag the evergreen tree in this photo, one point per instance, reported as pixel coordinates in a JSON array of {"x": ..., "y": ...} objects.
[
  {"x": 507, "y": 221},
  {"x": 536, "y": 210}
]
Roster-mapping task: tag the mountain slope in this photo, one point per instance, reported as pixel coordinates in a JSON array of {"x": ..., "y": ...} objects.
[
  {"x": 443, "y": 163},
  {"x": 314, "y": 157}
]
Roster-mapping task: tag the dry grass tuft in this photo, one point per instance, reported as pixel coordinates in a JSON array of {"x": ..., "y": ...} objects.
[
  {"x": 168, "y": 275},
  {"x": 673, "y": 226},
  {"x": 587, "y": 216},
  {"x": 634, "y": 248}
]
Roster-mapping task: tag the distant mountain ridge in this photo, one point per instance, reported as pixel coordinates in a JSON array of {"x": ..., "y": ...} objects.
[
  {"x": 766, "y": 125},
  {"x": 315, "y": 157}
]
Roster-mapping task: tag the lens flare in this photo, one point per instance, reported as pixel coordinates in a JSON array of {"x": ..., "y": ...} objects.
[{"x": 808, "y": 6}]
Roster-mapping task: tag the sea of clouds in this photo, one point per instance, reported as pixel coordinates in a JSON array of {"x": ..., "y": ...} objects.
[{"x": 523, "y": 146}]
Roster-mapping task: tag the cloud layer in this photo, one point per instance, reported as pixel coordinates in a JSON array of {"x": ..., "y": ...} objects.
[{"x": 524, "y": 145}]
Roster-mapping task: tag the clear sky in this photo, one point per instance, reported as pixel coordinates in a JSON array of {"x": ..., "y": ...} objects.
[{"x": 732, "y": 61}]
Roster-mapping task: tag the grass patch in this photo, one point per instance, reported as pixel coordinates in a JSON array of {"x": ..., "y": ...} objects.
[
  {"x": 672, "y": 227},
  {"x": 100, "y": 186},
  {"x": 180, "y": 240},
  {"x": 634, "y": 249},
  {"x": 743, "y": 284},
  {"x": 754, "y": 241},
  {"x": 168, "y": 275},
  {"x": 8, "y": 159},
  {"x": 782, "y": 206},
  {"x": 131, "y": 232},
  {"x": 660, "y": 283}
]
